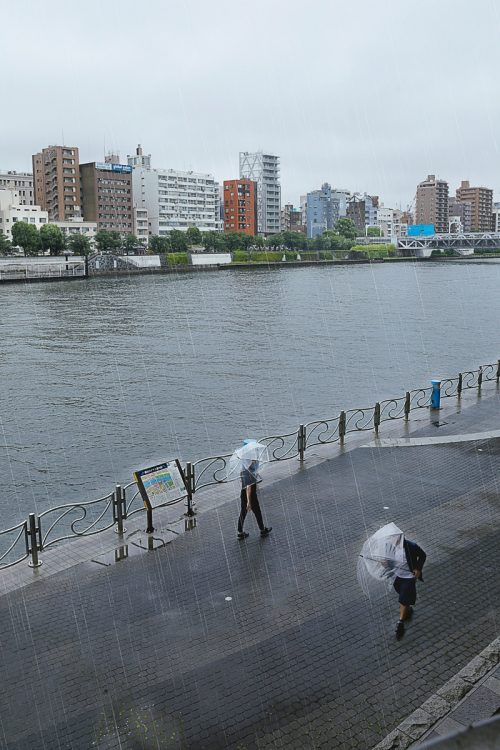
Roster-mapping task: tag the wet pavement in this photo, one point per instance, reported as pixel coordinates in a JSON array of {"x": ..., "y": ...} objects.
[{"x": 213, "y": 643}]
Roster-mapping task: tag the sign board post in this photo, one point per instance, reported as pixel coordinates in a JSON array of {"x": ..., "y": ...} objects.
[{"x": 160, "y": 485}]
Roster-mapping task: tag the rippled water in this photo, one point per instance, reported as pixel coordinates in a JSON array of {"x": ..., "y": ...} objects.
[{"x": 104, "y": 376}]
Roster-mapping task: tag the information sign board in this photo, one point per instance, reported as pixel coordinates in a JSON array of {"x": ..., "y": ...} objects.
[{"x": 161, "y": 484}]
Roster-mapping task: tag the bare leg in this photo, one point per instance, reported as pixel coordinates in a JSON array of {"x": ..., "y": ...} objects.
[{"x": 404, "y": 612}]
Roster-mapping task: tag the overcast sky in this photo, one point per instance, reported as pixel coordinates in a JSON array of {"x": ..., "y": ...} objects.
[{"x": 369, "y": 96}]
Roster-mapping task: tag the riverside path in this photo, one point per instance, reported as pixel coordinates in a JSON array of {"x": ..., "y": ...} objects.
[{"x": 211, "y": 643}]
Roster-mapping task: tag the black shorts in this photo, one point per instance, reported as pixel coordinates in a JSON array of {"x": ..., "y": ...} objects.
[{"x": 407, "y": 590}]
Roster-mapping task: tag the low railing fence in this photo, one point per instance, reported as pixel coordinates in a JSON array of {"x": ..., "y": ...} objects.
[{"x": 29, "y": 537}]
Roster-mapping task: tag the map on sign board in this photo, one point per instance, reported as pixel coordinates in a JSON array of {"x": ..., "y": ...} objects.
[{"x": 161, "y": 484}]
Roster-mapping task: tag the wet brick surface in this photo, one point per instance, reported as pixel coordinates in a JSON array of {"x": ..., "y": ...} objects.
[{"x": 149, "y": 654}]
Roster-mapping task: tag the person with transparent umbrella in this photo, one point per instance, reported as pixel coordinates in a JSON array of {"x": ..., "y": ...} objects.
[
  {"x": 388, "y": 556},
  {"x": 246, "y": 463}
]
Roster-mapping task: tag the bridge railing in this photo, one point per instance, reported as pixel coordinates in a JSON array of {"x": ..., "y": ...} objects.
[{"x": 83, "y": 519}]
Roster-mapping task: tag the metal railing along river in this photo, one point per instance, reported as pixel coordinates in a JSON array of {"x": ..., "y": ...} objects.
[{"x": 38, "y": 532}]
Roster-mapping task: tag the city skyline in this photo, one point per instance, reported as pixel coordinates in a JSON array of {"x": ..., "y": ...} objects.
[{"x": 369, "y": 99}]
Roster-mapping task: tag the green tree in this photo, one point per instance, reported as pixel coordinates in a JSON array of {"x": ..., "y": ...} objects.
[
  {"x": 52, "y": 239},
  {"x": 178, "y": 240},
  {"x": 274, "y": 241},
  {"x": 220, "y": 242},
  {"x": 131, "y": 245},
  {"x": 79, "y": 244},
  {"x": 294, "y": 240},
  {"x": 346, "y": 228},
  {"x": 193, "y": 236},
  {"x": 374, "y": 232},
  {"x": 159, "y": 244},
  {"x": 5, "y": 245},
  {"x": 26, "y": 236},
  {"x": 258, "y": 242},
  {"x": 108, "y": 242}
]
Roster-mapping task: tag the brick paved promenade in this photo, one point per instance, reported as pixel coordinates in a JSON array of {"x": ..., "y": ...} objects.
[{"x": 152, "y": 654}]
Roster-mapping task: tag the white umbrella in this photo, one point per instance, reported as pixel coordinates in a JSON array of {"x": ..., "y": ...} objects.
[
  {"x": 380, "y": 557},
  {"x": 246, "y": 462}
]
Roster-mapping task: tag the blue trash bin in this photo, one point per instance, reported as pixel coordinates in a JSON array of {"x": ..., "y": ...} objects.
[{"x": 436, "y": 394}]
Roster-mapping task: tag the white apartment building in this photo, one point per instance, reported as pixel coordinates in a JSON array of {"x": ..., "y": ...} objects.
[
  {"x": 77, "y": 226},
  {"x": 264, "y": 170},
  {"x": 495, "y": 218},
  {"x": 177, "y": 200},
  {"x": 11, "y": 211},
  {"x": 389, "y": 222},
  {"x": 141, "y": 225},
  {"x": 22, "y": 183}
]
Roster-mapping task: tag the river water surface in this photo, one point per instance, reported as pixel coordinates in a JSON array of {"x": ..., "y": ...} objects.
[{"x": 105, "y": 376}]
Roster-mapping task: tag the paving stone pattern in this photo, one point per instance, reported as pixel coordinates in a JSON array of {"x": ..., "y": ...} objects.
[{"x": 152, "y": 653}]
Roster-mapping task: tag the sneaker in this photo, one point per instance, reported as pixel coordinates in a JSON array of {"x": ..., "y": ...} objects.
[
  {"x": 242, "y": 534},
  {"x": 266, "y": 531},
  {"x": 400, "y": 630}
]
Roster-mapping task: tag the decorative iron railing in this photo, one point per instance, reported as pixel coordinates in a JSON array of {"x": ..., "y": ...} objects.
[
  {"x": 76, "y": 519},
  {"x": 63, "y": 522}
]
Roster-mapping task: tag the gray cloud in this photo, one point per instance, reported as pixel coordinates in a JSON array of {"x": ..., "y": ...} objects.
[{"x": 368, "y": 96}]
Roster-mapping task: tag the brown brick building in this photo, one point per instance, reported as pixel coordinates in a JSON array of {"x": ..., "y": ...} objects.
[
  {"x": 240, "y": 206},
  {"x": 432, "y": 203},
  {"x": 56, "y": 182},
  {"x": 481, "y": 200},
  {"x": 106, "y": 190}
]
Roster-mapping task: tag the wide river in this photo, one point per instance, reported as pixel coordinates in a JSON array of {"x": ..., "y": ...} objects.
[{"x": 105, "y": 376}]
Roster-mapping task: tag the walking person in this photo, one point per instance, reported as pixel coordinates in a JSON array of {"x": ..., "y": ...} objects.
[
  {"x": 388, "y": 557},
  {"x": 245, "y": 464},
  {"x": 250, "y": 501},
  {"x": 409, "y": 562}
]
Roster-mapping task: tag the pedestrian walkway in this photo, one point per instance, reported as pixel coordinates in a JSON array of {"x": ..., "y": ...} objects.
[{"x": 211, "y": 643}]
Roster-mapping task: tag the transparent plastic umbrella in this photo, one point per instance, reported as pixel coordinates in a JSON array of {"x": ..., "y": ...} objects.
[
  {"x": 380, "y": 557},
  {"x": 246, "y": 462}
]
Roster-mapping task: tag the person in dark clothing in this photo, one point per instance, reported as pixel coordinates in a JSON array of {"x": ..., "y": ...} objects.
[
  {"x": 250, "y": 501},
  {"x": 410, "y": 559}
]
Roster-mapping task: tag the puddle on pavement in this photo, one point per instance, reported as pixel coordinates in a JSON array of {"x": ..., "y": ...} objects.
[{"x": 138, "y": 542}]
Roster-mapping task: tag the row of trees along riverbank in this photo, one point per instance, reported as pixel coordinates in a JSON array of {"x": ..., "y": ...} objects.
[{"x": 50, "y": 239}]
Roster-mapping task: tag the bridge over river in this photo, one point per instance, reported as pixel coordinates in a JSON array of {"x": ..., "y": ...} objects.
[{"x": 462, "y": 243}]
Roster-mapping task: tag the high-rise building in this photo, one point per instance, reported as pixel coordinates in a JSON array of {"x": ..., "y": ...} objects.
[
  {"x": 106, "y": 189},
  {"x": 177, "y": 200},
  {"x": 322, "y": 211},
  {"x": 141, "y": 225},
  {"x": 291, "y": 219},
  {"x": 56, "y": 182},
  {"x": 264, "y": 170},
  {"x": 240, "y": 206},
  {"x": 495, "y": 218},
  {"x": 481, "y": 200},
  {"x": 432, "y": 203},
  {"x": 459, "y": 215},
  {"x": 22, "y": 183}
]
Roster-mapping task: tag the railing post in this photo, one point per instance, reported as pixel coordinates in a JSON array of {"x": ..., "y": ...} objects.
[
  {"x": 407, "y": 404},
  {"x": 342, "y": 426},
  {"x": 118, "y": 505},
  {"x": 35, "y": 561},
  {"x": 459, "y": 385},
  {"x": 190, "y": 489},
  {"x": 376, "y": 417},
  {"x": 480, "y": 378},
  {"x": 301, "y": 441}
]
